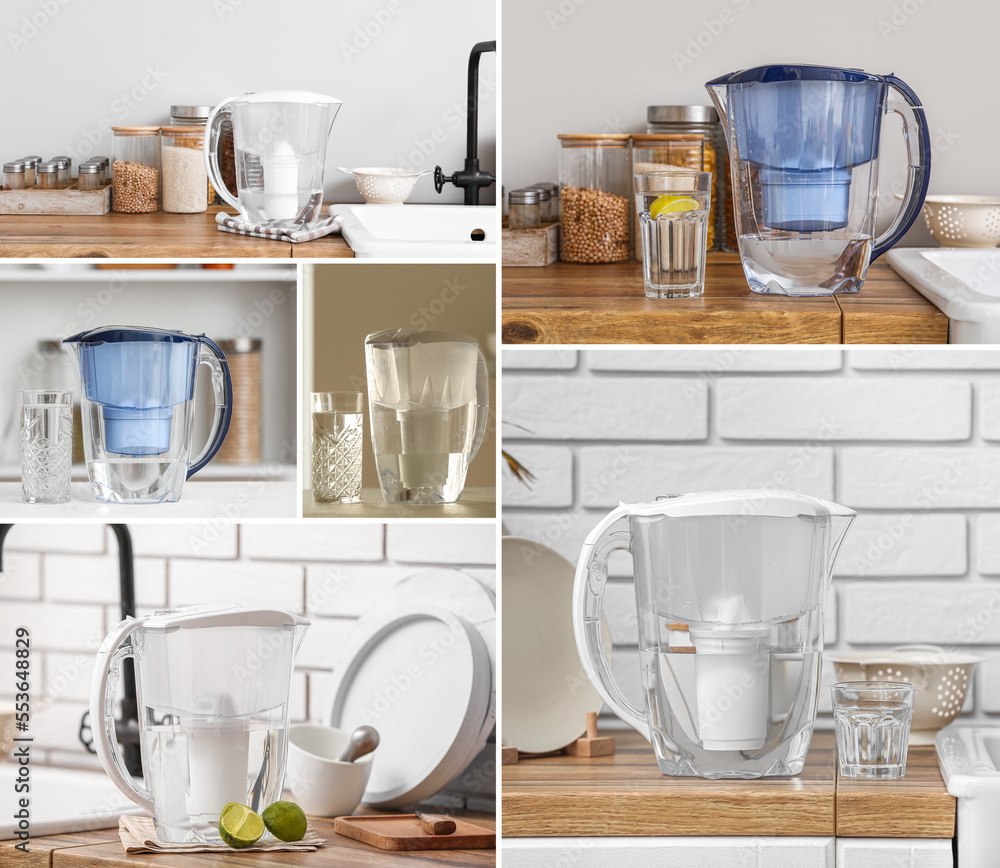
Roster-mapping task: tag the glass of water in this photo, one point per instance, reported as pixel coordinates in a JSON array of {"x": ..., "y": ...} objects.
[
  {"x": 873, "y": 727},
  {"x": 337, "y": 424},
  {"x": 46, "y": 445},
  {"x": 672, "y": 210}
]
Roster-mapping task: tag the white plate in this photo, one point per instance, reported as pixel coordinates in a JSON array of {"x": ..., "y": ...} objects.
[
  {"x": 546, "y": 694},
  {"x": 421, "y": 676}
]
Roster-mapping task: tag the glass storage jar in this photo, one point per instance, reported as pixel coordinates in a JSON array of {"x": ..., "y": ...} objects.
[
  {"x": 715, "y": 159},
  {"x": 13, "y": 175},
  {"x": 242, "y": 444},
  {"x": 184, "y": 176},
  {"x": 47, "y": 176},
  {"x": 595, "y": 184},
  {"x": 65, "y": 166},
  {"x": 135, "y": 173},
  {"x": 524, "y": 209},
  {"x": 30, "y": 164},
  {"x": 549, "y": 211},
  {"x": 661, "y": 152},
  {"x": 90, "y": 176},
  {"x": 105, "y": 164}
]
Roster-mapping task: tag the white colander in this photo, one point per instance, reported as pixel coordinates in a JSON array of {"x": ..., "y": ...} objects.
[
  {"x": 941, "y": 679},
  {"x": 380, "y": 186},
  {"x": 963, "y": 221}
]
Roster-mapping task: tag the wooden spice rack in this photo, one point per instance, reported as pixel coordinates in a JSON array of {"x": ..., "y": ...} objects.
[{"x": 65, "y": 201}]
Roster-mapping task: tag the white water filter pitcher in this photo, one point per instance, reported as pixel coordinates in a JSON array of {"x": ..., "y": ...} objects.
[
  {"x": 429, "y": 398},
  {"x": 730, "y": 591},
  {"x": 212, "y": 686},
  {"x": 280, "y": 140}
]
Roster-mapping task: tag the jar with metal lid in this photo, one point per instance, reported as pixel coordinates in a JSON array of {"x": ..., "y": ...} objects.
[
  {"x": 662, "y": 152},
  {"x": 595, "y": 181},
  {"x": 135, "y": 173},
  {"x": 13, "y": 175},
  {"x": 550, "y": 202},
  {"x": 715, "y": 159},
  {"x": 65, "y": 167},
  {"x": 184, "y": 176},
  {"x": 105, "y": 164},
  {"x": 30, "y": 164},
  {"x": 242, "y": 444},
  {"x": 47, "y": 176},
  {"x": 524, "y": 209},
  {"x": 90, "y": 176}
]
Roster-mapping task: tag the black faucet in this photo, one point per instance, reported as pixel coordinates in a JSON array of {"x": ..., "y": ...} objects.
[
  {"x": 127, "y": 729},
  {"x": 471, "y": 178}
]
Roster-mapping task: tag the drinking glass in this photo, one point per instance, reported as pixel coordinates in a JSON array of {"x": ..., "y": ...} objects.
[
  {"x": 873, "y": 727},
  {"x": 46, "y": 445},
  {"x": 672, "y": 208},
  {"x": 336, "y": 446}
]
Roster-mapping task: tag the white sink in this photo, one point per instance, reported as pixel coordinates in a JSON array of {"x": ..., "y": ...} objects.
[
  {"x": 963, "y": 283},
  {"x": 420, "y": 231},
  {"x": 62, "y": 801},
  {"x": 969, "y": 757}
]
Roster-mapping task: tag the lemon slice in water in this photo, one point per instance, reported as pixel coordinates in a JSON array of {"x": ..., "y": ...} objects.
[{"x": 671, "y": 205}]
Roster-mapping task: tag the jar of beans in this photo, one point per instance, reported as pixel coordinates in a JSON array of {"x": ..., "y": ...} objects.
[
  {"x": 595, "y": 181},
  {"x": 135, "y": 170},
  {"x": 662, "y": 152},
  {"x": 703, "y": 119}
]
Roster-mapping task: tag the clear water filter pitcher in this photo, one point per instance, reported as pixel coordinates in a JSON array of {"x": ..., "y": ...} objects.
[
  {"x": 280, "y": 139},
  {"x": 804, "y": 151},
  {"x": 137, "y": 388},
  {"x": 730, "y": 592},
  {"x": 213, "y": 686}
]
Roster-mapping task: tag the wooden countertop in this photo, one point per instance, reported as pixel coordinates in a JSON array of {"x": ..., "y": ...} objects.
[
  {"x": 103, "y": 849},
  {"x": 566, "y": 303},
  {"x": 156, "y": 235},
  {"x": 476, "y": 502},
  {"x": 626, "y": 795}
]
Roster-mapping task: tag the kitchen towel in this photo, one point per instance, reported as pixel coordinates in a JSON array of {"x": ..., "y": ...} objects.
[
  {"x": 308, "y": 231},
  {"x": 138, "y": 835}
]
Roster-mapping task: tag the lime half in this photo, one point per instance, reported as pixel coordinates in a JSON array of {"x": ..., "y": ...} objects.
[
  {"x": 672, "y": 204},
  {"x": 239, "y": 826},
  {"x": 285, "y": 820}
]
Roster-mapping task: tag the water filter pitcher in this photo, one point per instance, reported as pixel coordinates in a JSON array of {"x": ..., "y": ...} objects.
[{"x": 730, "y": 591}]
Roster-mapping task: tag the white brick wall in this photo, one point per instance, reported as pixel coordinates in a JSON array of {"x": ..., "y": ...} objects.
[
  {"x": 906, "y": 436},
  {"x": 62, "y": 582}
]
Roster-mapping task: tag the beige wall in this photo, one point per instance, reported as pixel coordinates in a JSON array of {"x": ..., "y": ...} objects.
[{"x": 353, "y": 300}]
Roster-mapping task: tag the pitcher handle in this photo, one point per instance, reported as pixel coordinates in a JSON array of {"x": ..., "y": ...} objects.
[
  {"x": 482, "y": 403},
  {"x": 222, "y": 383},
  {"x": 213, "y": 134},
  {"x": 102, "y": 712},
  {"x": 588, "y": 605},
  {"x": 918, "y": 176}
]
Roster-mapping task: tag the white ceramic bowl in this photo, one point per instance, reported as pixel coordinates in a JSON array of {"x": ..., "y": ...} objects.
[
  {"x": 963, "y": 221},
  {"x": 324, "y": 786}
]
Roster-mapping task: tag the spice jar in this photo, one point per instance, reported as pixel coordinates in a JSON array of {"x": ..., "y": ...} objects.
[
  {"x": 524, "y": 209},
  {"x": 661, "y": 152},
  {"x": 550, "y": 203},
  {"x": 65, "y": 167},
  {"x": 135, "y": 173},
  {"x": 242, "y": 444},
  {"x": 30, "y": 164},
  {"x": 715, "y": 159},
  {"x": 90, "y": 176},
  {"x": 105, "y": 165},
  {"x": 47, "y": 176},
  {"x": 184, "y": 176},
  {"x": 13, "y": 175},
  {"x": 595, "y": 181}
]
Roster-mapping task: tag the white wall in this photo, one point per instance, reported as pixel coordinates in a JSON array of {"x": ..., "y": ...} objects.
[
  {"x": 594, "y": 65},
  {"x": 61, "y": 581},
  {"x": 908, "y": 437},
  {"x": 398, "y": 65}
]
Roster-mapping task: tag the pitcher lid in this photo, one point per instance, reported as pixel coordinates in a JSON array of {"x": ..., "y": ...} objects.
[
  {"x": 221, "y": 616},
  {"x": 297, "y": 96},
  {"x": 406, "y": 337},
  {"x": 744, "y": 502},
  {"x": 130, "y": 334},
  {"x": 794, "y": 72}
]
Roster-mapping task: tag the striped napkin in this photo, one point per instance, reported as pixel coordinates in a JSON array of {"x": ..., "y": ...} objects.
[
  {"x": 138, "y": 835},
  {"x": 307, "y": 232}
]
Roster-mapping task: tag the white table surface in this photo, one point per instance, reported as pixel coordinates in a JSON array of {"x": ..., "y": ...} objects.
[
  {"x": 233, "y": 500},
  {"x": 475, "y": 503}
]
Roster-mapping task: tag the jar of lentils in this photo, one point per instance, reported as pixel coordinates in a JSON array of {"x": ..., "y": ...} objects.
[
  {"x": 595, "y": 181},
  {"x": 135, "y": 170}
]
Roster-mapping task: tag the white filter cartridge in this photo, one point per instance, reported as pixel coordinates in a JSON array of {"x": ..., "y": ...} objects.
[
  {"x": 731, "y": 686},
  {"x": 281, "y": 186}
]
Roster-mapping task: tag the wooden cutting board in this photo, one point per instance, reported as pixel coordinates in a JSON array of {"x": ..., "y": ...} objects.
[{"x": 404, "y": 832}]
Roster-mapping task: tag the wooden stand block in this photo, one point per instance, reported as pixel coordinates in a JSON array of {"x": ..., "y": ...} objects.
[
  {"x": 530, "y": 246},
  {"x": 508, "y": 756},
  {"x": 592, "y": 745},
  {"x": 67, "y": 201}
]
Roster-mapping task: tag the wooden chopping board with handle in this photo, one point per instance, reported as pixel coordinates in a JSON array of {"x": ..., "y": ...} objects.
[{"x": 407, "y": 832}]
